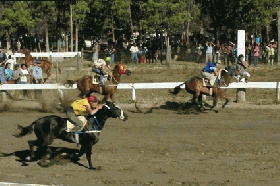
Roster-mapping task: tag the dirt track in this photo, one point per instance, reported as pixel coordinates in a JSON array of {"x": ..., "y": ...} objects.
[{"x": 233, "y": 147}]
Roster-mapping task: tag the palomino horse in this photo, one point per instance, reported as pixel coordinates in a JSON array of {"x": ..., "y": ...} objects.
[
  {"x": 45, "y": 64},
  {"x": 86, "y": 87},
  {"x": 49, "y": 128},
  {"x": 195, "y": 87}
]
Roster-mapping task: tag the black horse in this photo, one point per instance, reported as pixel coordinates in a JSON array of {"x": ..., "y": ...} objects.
[{"x": 51, "y": 127}]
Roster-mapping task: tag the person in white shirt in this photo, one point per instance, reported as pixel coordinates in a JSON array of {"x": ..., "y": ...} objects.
[
  {"x": 25, "y": 74},
  {"x": 10, "y": 60},
  {"x": 134, "y": 52}
]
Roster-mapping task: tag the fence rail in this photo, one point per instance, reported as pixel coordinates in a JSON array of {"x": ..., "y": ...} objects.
[
  {"x": 134, "y": 86},
  {"x": 48, "y": 54}
]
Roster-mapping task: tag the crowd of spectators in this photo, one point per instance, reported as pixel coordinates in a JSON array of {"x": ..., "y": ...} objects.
[
  {"x": 256, "y": 52},
  {"x": 13, "y": 73}
]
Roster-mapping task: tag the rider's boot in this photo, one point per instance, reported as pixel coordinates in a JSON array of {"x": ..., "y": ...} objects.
[{"x": 73, "y": 137}]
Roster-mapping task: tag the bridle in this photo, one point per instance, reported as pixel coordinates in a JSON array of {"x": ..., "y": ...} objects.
[{"x": 121, "y": 116}]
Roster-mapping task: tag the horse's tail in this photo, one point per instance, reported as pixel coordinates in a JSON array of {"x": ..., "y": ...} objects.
[
  {"x": 55, "y": 66},
  {"x": 176, "y": 89},
  {"x": 23, "y": 131}
]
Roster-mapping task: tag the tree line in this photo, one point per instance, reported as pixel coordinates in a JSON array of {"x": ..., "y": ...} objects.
[{"x": 96, "y": 17}]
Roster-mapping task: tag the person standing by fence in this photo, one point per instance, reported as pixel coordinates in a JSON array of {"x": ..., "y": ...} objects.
[
  {"x": 18, "y": 45},
  {"x": 17, "y": 74},
  {"x": 37, "y": 75},
  {"x": 3, "y": 59},
  {"x": 8, "y": 74},
  {"x": 96, "y": 49},
  {"x": 209, "y": 52},
  {"x": 256, "y": 55},
  {"x": 270, "y": 54},
  {"x": 134, "y": 52}
]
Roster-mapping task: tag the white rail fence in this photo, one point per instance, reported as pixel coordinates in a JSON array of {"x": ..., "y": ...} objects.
[
  {"x": 48, "y": 54},
  {"x": 135, "y": 86}
]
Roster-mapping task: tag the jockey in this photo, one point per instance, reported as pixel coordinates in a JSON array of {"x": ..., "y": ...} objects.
[
  {"x": 99, "y": 67},
  {"x": 82, "y": 107},
  {"x": 210, "y": 71},
  {"x": 242, "y": 66}
]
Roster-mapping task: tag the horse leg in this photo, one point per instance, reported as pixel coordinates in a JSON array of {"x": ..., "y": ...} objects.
[
  {"x": 112, "y": 97},
  {"x": 226, "y": 102},
  {"x": 105, "y": 98},
  {"x": 46, "y": 78},
  {"x": 198, "y": 95},
  {"x": 31, "y": 144},
  {"x": 215, "y": 102},
  {"x": 88, "y": 149}
]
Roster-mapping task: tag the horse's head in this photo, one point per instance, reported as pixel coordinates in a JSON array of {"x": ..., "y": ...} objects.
[
  {"x": 122, "y": 69},
  {"x": 226, "y": 75},
  {"x": 114, "y": 111}
]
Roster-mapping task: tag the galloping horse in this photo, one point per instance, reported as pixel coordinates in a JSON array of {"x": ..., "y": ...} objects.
[
  {"x": 45, "y": 64},
  {"x": 49, "y": 128},
  {"x": 195, "y": 87},
  {"x": 86, "y": 87}
]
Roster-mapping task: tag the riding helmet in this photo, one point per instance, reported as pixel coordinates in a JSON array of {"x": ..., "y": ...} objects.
[{"x": 92, "y": 98}]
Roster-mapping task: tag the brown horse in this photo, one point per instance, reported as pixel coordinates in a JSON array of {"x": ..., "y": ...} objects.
[
  {"x": 195, "y": 87},
  {"x": 84, "y": 84},
  {"x": 45, "y": 64}
]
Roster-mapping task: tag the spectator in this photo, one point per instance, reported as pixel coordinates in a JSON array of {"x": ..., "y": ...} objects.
[
  {"x": 242, "y": 66},
  {"x": 270, "y": 54},
  {"x": 143, "y": 52},
  {"x": 96, "y": 49},
  {"x": 134, "y": 52},
  {"x": 10, "y": 52},
  {"x": 8, "y": 74},
  {"x": 209, "y": 52},
  {"x": 226, "y": 61},
  {"x": 17, "y": 74},
  {"x": 231, "y": 53},
  {"x": 37, "y": 76},
  {"x": 249, "y": 54},
  {"x": 112, "y": 52},
  {"x": 37, "y": 73},
  {"x": 199, "y": 52},
  {"x": 217, "y": 49},
  {"x": 18, "y": 45},
  {"x": 256, "y": 55},
  {"x": 258, "y": 40},
  {"x": 3, "y": 59},
  {"x": 10, "y": 60},
  {"x": 25, "y": 74}
]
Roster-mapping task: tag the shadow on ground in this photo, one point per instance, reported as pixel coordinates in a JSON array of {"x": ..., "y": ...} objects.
[
  {"x": 59, "y": 156},
  {"x": 181, "y": 108}
]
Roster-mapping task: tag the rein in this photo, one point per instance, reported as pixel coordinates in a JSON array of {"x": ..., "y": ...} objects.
[{"x": 115, "y": 79}]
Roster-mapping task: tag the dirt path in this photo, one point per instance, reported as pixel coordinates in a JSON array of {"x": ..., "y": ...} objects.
[{"x": 233, "y": 147}]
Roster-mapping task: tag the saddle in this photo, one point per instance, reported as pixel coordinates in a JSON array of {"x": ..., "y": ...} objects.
[
  {"x": 70, "y": 126},
  {"x": 96, "y": 77},
  {"x": 205, "y": 82}
]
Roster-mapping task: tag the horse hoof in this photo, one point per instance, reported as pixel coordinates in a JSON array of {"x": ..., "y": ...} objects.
[{"x": 28, "y": 158}]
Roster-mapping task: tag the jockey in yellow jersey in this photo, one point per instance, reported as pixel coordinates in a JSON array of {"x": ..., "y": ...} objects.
[{"x": 82, "y": 107}]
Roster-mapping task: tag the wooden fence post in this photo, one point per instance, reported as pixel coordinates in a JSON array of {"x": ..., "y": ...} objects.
[{"x": 240, "y": 95}]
